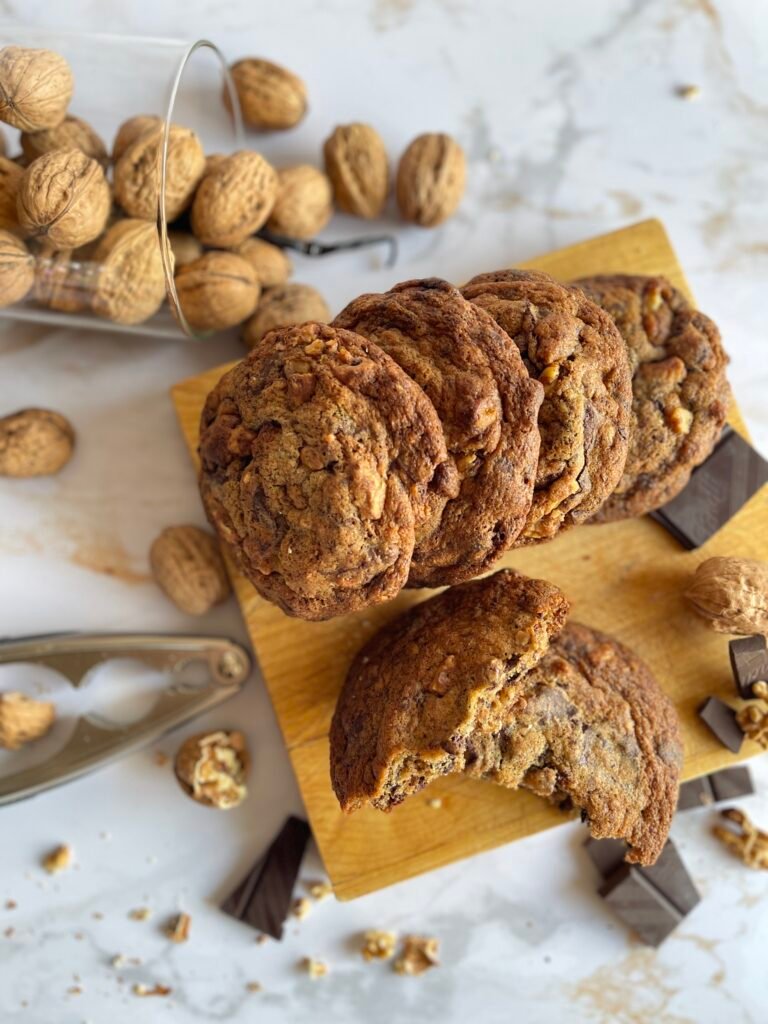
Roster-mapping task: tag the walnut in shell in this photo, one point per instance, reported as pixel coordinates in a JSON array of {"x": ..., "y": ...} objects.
[
  {"x": 10, "y": 180},
  {"x": 72, "y": 133},
  {"x": 64, "y": 198},
  {"x": 64, "y": 282},
  {"x": 430, "y": 179},
  {"x": 131, "y": 281},
  {"x": 130, "y": 130},
  {"x": 272, "y": 265},
  {"x": 188, "y": 567},
  {"x": 234, "y": 200},
  {"x": 35, "y": 88},
  {"x": 356, "y": 162},
  {"x": 271, "y": 97},
  {"x": 304, "y": 202},
  {"x": 185, "y": 248},
  {"x": 732, "y": 594},
  {"x": 23, "y": 720},
  {"x": 137, "y": 172},
  {"x": 279, "y": 307},
  {"x": 217, "y": 291},
  {"x": 212, "y": 768},
  {"x": 35, "y": 442},
  {"x": 17, "y": 269}
]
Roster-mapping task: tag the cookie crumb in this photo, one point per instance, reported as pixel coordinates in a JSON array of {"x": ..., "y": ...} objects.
[
  {"x": 157, "y": 990},
  {"x": 301, "y": 908},
  {"x": 177, "y": 930},
  {"x": 689, "y": 92},
  {"x": 435, "y": 803},
  {"x": 746, "y": 840},
  {"x": 419, "y": 954},
  {"x": 11, "y": 904},
  {"x": 319, "y": 890},
  {"x": 261, "y": 938},
  {"x": 378, "y": 945},
  {"x": 140, "y": 914},
  {"x": 314, "y": 968},
  {"x": 253, "y": 986},
  {"x": 58, "y": 860},
  {"x": 74, "y": 990}
]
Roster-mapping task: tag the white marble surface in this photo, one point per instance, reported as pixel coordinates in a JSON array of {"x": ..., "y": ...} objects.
[{"x": 571, "y": 121}]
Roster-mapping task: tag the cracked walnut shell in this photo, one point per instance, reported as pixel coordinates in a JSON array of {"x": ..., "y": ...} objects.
[
  {"x": 234, "y": 200},
  {"x": 23, "y": 719},
  {"x": 304, "y": 202},
  {"x": 430, "y": 179},
  {"x": 35, "y": 442},
  {"x": 212, "y": 768},
  {"x": 35, "y": 88},
  {"x": 64, "y": 198},
  {"x": 271, "y": 97},
  {"x": 732, "y": 594},
  {"x": 137, "y": 172},
  {"x": 131, "y": 281},
  {"x": 17, "y": 269},
  {"x": 217, "y": 291},
  {"x": 281, "y": 307},
  {"x": 72, "y": 133},
  {"x": 356, "y": 162},
  {"x": 188, "y": 567}
]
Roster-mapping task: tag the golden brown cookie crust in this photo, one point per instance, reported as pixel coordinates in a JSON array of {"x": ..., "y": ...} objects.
[
  {"x": 680, "y": 391},
  {"x": 488, "y": 406},
  {"x": 320, "y": 462},
  {"x": 574, "y": 348}
]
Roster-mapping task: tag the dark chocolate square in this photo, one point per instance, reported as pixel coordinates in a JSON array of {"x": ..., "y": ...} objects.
[
  {"x": 749, "y": 661},
  {"x": 718, "y": 488},
  {"x": 731, "y": 783},
  {"x": 640, "y": 905},
  {"x": 696, "y": 793},
  {"x": 670, "y": 876},
  {"x": 606, "y": 854},
  {"x": 721, "y": 720}
]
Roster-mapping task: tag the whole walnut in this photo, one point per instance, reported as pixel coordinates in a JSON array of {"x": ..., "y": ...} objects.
[
  {"x": 35, "y": 88},
  {"x": 430, "y": 179},
  {"x": 64, "y": 198},
  {"x": 279, "y": 307},
  {"x": 137, "y": 172},
  {"x": 270, "y": 96},
  {"x": 217, "y": 291},
  {"x": 732, "y": 594},
  {"x": 272, "y": 265},
  {"x": 64, "y": 282},
  {"x": 131, "y": 281},
  {"x": 10, "y": 180},
  {"x": 35, "y": 442},
  {"x": 72, "y": 133},
  {"x": 304, "y": 202},
  {"x": 234, "y": 200},
  {"x": 185, "y": 248},
  {"x": 187, "y": 566},
  {"x": 356, "y": 162},
  {"x": 130, "y": 130},
  {"x": 17, "y": 269}
]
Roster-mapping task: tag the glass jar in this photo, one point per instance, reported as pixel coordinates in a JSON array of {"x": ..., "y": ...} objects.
[{"x": 117, "y": 78}]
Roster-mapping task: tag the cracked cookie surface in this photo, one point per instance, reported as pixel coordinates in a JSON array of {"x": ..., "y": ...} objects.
[
  {"x": 321, "y": 465},
  {"x": 488, "y": 406},
  {"x": 680, "y": 391},
  {"x": 573, "y": 347}
]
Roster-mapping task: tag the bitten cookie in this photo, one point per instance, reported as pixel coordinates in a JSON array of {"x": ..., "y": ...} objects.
[
  {"x": 321, "y": 465},
  {"x": 488, "y": 406},
  {"x": 680, "y": 391},
  {"x": 573, "y": 347}
]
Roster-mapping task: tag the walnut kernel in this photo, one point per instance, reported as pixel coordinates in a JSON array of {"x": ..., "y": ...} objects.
[
  {"x": 279, "y": 307},
  {"x": 188, "y": 567},
  {"x": 35, "y": 88},
  {"x": 419, "y": 954},
  {"x": 178, "y": 929},
  {"x": 58, "y": 860},
  {"x": 35, "y": 442},
  {"x": 23, "y": 720},
  {"x": 64, "y": 198},
  {"x": 356, "y": 162},
  {"x": 314, "y": 968},
  {"x": 378, "y": 945},
  {"x": 271, "y": 97},
  {"x": 212, "y": 768},
  {"x": 430, "y": 179}
]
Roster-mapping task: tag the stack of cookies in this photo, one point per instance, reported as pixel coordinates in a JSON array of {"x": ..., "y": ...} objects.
[{"x": 428, "y": 430}]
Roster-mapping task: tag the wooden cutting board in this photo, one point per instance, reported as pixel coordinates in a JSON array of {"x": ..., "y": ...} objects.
[{"x": 624, "y": 578}]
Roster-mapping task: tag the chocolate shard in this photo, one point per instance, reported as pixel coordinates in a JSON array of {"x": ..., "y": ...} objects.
[
  {"x": 718, "y": 488},
  {"x": 749, "y": 661},
  {"x": 263, "y": 898},
  {"x": 606, "y": 854},
  {"x": 731, "y": 783},
  {"x": 721, "y": 720},
  {"x": 696, "y": 793},
  {"x": 670, "y": 876}
]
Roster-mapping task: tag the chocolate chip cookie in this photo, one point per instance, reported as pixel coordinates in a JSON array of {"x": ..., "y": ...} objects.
[
  {"x": 322, "y": 463},
  {"x": 573, "y": 347},
  {"x": 488, "y": 406},
  {"x": 680, "y": 391}
]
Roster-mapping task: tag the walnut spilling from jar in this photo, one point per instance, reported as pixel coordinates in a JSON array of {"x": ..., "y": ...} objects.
[{"x": 212, "y": 768}]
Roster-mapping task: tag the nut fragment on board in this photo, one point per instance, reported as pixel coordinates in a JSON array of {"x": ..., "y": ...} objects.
[
  {"x": 283, "y": 306},
  {"x": 356, "y": 162},
  {"x": 744, "y": 839},
  {"x": 17, "y": 269},
  {"x": 35, "y": 442},
  {"x": 732, "y": 594},
  {"x": 23, "y": 719},
  {"x": 212, "y": 768},
  {"x": 271, "y": 97},
  {"x": 430, "y": 180},
  {"x": 58, "y": 859},
  {"x": 188, "y": 567},
  {"x": 418, "y": 955},
  {"x": 64, "y": 198},
  {"x": 35, "y": 88},
  {"x": 378, "y": 945}
]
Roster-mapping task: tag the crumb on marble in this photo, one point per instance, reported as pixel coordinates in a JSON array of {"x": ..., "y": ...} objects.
[
  {"x": 9, "y": 932},
  {"x": 261, "y": 938},
  {"x": 314, "y": 968},
  {"x": 378, "y": 945},
  {"x": 58, "y": 860},
  {"x": 301, "y": 908},
  {"x": 177, "y": 930},
  {"x": 74, "y": 990},
  {"x": 11, "y": 904},
  {"x": 418, "y": 955},
  {"x": 140, "y": 914},
  {"x": 689, "y": 92},
  {"x": 319, "y": 890},
  {"x": 161, "y": 759},
  {"x": 253, "y": 986},
  {"x": 157, "y": 989}
]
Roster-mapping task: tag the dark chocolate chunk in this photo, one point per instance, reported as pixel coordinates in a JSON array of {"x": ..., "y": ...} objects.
[
  {"x": 731, "y": 783},
  {"x": 263, "y": 898},
  {"x": 721, "y": 720},
  {"x": 606, "y": 854},
  {"x": 696, "y": 793},
  {"x": 716, "y": 491},
  {"x": 749, "y": 661},
  {"x": 670, "y": 876}
]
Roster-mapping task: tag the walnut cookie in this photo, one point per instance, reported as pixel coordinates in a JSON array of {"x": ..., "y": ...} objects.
[
  {"x": 477, "y": 681},
  {"x": 575, "y": 350},
  {"x": 680, "y": 391},
  {"x": 320, "y": 459},
  {"x": 488, "y": 407}
]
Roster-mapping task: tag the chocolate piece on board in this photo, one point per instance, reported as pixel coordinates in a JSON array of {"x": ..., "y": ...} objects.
[{"x": 721, "y": 720}]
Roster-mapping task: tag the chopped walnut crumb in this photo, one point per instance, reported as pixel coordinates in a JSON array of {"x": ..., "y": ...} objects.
[
  {"x": 253, "y": 986},
  {"x": 157, "y": 990},
  {"x": 314, "y": 968},
  {"x": 301, "y": 908},
  {"x": 753, "y": 720},
  {"x": 161, "y": 759},
  {"x": 75, "y": 990},
  {"x": 261, "y": 938},
  {"x": 419, "y": 954},
  {"x": 689, "y": 92},
  {"x": 8, "y": 933},
  {"x": 58, "y": 860},
  {"x": 177, "y": 929},
  {"x": 434, "y": 802},
  {"x": 319, "y": 890},
  {"x": 11, "y": 904},
  {"x": 140, "y": 914},
  {"x": 378, "y": 945},
  {"x": 746, "y": 840}
]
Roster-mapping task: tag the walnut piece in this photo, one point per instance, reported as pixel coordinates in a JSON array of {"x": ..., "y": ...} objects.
[
  {"x": 746, "y": 840},
  {"x": 732, "y": 594},
  {"x": 356, "y": 162},
  {"x": 139, "y": 989},
  {"x": 17, "y": 269},
  {"x": 64, "y": 198},
  {"x": 314, "y": 968},
  {"x": 177, "y": 930},
  {"x": 279, "y": 307},
  {"x": 217, "y": 291},
  {"x": 72, "y": 133},
  {"x": 130, "y": 130},
  {"x": 58, "y": 859},
  {"x": 301, "y": 908},
  {"x": 430, "y": 179},
  {"x": 35, "y": 442},
  {"x": 304, "y": 202},
  {"x": 753, "y": 719},
  {"x": 188, "y": 567},
  {"x": 10, "y": 180},
  {"x": 271, "y": 97},
  {"x": 320, "y": 890},
  {"x": 137, "y": 172},
  {"x": 35, "y": 88},
  {"x": 418, "y": 955},
  {"x": 131, "y": 281},
  {"x": 272, "y": 265},
  {"x": 378, "y": 945},
  {"x": 234, "y": 200},
  {"x": 23, "y": 720},
  {"x": 212, "y": 768}
]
